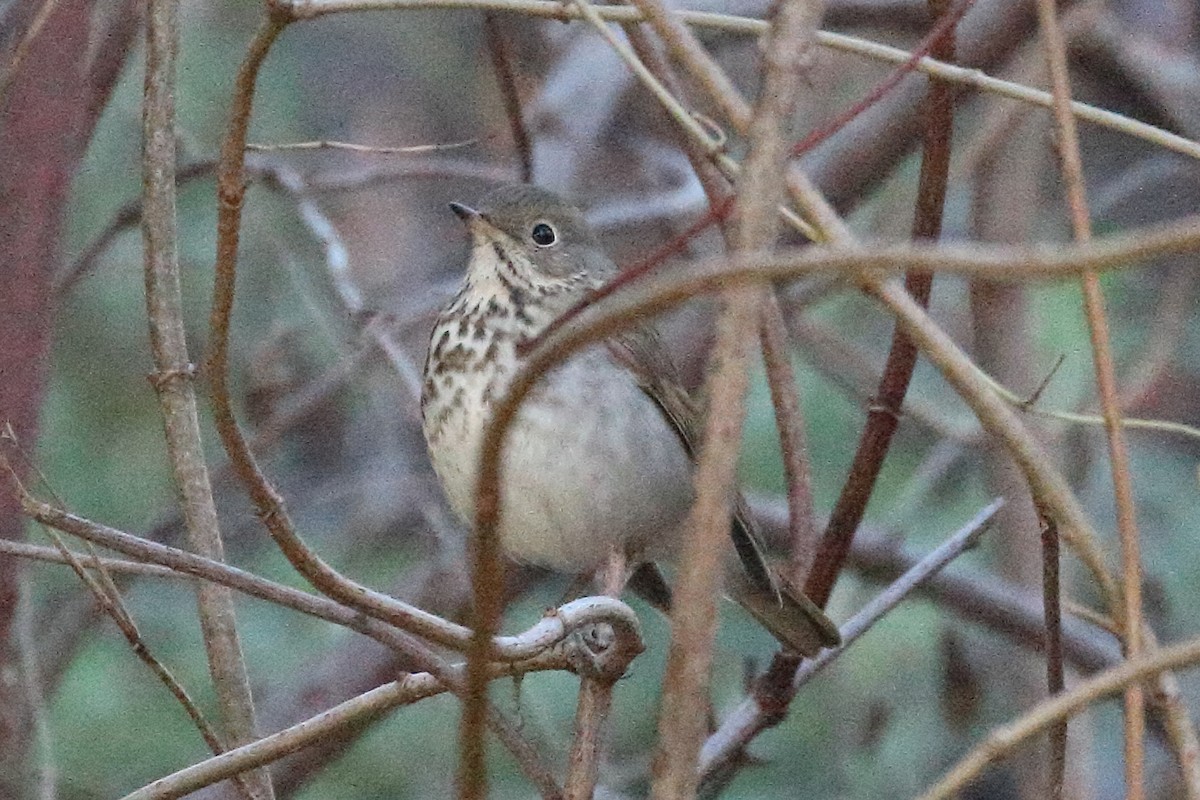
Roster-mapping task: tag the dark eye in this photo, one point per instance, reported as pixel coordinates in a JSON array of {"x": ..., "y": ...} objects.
[{"x": 543, "y": 234}]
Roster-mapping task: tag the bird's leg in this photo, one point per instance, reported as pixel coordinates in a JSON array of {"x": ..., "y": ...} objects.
[{"x": 612, "y": 576}]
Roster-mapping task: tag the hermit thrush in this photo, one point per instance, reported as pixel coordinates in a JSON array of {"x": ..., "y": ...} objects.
[{"x": 601, "y": 453}]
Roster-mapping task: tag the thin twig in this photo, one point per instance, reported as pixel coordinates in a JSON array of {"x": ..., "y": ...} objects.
[
  {"x": 173, "y": 383},
  {"x": 759, "y": 187},
  {"x": 1130, "y": 602},
  {"x": 51, "y": 555},
  {"x": 757, "y": 712},
  {"x": 1052, "y": 609},
  {"x": 1002, "y": 741},
  {"x": 273, "y": 174},
  {"x": 330, "y": 723},
  {"x": 965, "y": 76},
  {"x": 938, "y": 43},
  {"x": 594, "y": 704},
  {"x": 353, "y": 147},
  {"x": 506, "y": 76},
  {"x": 793, "y": 441},
  {"x": 32, "y": 686}
]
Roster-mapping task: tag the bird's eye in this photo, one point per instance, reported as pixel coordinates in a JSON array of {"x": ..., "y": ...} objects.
[{"x": 543, "y": 234}]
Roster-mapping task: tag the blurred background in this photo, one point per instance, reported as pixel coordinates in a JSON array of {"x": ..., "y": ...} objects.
[{"x": 337, "y": 422}]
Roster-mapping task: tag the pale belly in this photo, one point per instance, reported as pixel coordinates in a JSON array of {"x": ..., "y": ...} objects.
[{"x": 584, "y": 470}]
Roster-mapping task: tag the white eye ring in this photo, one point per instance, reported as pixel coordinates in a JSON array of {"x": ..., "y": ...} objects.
[{"x": 543, "y": 234}]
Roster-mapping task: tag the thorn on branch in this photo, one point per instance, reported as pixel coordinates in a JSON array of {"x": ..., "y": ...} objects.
[{"x": 1032, "y": 400}]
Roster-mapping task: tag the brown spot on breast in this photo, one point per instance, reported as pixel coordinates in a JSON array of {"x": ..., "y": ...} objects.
[
  {"x": 494, "y": 309},
  {"x": 429, "y": 394},
  {"x": 438, "y": 348},
  {"x": 456, "y": 359},
  {"x": 517, "y": 298}
]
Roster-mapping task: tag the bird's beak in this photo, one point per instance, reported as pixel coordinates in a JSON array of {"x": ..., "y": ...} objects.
[
  {"x": 478, "y": 226},
  {"x": 467, "y": 214}
]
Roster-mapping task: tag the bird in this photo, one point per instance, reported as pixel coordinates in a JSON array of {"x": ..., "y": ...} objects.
[{"x": 601, "y": 455}]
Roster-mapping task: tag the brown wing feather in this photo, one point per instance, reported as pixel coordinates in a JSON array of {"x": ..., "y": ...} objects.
[{"x": 787, "y": 613}]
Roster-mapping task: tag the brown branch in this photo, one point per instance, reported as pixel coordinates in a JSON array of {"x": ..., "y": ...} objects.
[
  {"x": 938, "y": 43},
  {"x": 173, "y": 382},
  {"x": 793, "y": 441},
  {"x": 773, "y": 334},
  {"x": 499, "y": 48},
  {"x": 595, "y": 702},
  {"x": 1129, "y": 603},
  {"x": 1052, "y": 608},
  {"x": 693, "y": 620},
  {"x": 883, "y": 417},
  {"x": 1003, "y": 740}
]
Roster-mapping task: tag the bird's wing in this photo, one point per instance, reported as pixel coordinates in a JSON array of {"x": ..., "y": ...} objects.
[
  {"x": 782, "y": 609},
  {"x": 641, "y": 350}
]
